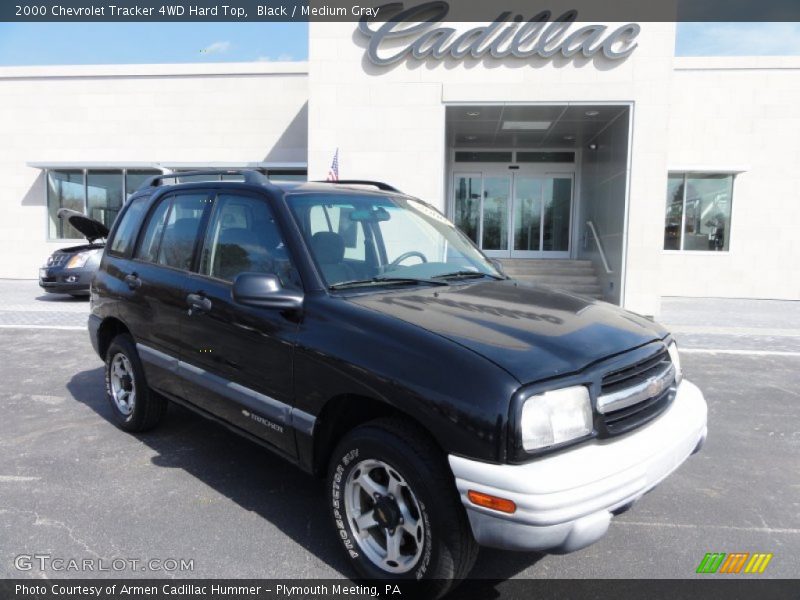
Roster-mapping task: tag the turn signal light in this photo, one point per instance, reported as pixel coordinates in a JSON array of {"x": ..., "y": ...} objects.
[{"x": 493, "y": 502}]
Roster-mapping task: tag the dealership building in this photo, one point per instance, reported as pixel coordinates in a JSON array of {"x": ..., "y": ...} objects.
[{"x": 607, "y": 164}]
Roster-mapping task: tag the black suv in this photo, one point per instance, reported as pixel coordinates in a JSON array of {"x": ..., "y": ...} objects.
[{"x": 356, "y": 332}]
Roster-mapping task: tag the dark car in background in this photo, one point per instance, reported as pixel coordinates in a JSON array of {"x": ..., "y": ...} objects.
[{"x": 70, "y": 270}]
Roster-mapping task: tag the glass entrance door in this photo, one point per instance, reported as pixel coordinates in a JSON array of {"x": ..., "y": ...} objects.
[
  {"x": 542, "y": 216},
  {"x": 515, "y": 215}
]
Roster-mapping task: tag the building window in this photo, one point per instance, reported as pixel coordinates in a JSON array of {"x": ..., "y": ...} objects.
[
  {"x": 65, "y": 189},
  {"x": 104, "y": 195},
  {"x": 287, "y": 175},
  {"x": 277, "y": 175},
  {"x": 100, "y": 193},
  {"x": 698, "y": 211},
  {"x": 136, "y": 177},
  {"x": 97, "y": 193}
]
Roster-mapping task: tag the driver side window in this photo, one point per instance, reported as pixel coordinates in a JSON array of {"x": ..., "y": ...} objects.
[{"x": 243, "y": 237}]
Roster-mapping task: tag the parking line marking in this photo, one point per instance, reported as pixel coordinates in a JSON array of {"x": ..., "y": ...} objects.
[
  {"x": 62, "y": 327},
  {"x": 727, "y": 527},
  {"x": 741, "y": 352},
  {"x": 8, "y": 478}
]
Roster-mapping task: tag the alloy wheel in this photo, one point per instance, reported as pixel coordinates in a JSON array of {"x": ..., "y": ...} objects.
[
  {"x": 123, "y": 383},
  {"x": 384, "y": 516}
]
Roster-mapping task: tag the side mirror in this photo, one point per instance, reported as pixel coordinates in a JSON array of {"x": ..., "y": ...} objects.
[
  {"x": 265, "y": 290},
  {"x": 498, "y": 265}
]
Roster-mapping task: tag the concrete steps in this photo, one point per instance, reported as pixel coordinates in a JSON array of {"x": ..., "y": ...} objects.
[{"x": 576, "y": 276}]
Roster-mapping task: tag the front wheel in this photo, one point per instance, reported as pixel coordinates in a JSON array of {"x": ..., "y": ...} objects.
[
  {"x": 135, "y": 407},
  {"x": 395, "y": 507}
]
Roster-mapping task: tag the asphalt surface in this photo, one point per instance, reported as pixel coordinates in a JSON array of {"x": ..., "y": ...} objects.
[{"x": 72, "y": 485}]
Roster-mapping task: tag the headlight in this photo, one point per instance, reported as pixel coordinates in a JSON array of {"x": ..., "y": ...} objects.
[
  {"x": 555, "y": 417},
  {"x": 676, "y": 361},
  {"x": 80, "y": 259}
]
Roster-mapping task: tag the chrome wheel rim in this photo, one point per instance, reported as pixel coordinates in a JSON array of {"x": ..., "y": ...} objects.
[
  {"x": 384, "y": 516},
  {"x": 123, "y": 383}
]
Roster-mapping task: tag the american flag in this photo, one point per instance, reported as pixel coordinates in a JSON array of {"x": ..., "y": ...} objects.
[{"x": 333, "y": 172}]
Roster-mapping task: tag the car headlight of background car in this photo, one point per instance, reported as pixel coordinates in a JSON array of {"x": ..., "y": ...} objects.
[
  {"x": 81, "y": 258},
  {"x": 555, "y": 417}
]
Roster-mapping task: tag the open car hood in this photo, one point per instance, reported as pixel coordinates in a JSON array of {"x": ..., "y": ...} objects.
[{"x": 91, "y": 229}]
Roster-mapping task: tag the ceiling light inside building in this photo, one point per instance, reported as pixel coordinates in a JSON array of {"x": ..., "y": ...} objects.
[
  {"x": 569, "y": 137},
  {"x": 474, "y": 113},
  {"x": 592, "y": 113},
  {"x": 526, "y": 125},
  {"x": 472, "y": 137}
]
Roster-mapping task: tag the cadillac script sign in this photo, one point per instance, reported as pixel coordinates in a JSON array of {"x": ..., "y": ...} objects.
[{"x": 416, "y": 32}]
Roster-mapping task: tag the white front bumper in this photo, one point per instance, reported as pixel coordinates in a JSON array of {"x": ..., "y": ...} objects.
[{"x": 565, "y": 501}]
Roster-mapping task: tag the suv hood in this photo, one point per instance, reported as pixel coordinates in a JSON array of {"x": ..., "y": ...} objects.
[
  {"x": 532, "y": 332},
  {"x": 91, "y": 229}
]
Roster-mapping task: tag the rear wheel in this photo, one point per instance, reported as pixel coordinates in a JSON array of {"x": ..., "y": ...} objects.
[
  {"x": 135, "y": 407},
  {"x": 395, "y": 507}
]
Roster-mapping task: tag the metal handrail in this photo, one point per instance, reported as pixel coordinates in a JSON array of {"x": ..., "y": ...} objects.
[{"x": 599, "y": 245}]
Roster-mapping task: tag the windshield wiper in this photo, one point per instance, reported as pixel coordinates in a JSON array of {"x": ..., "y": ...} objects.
[
  {"x": 383, "y": 281},
  {"x": 465, "y": 275}
]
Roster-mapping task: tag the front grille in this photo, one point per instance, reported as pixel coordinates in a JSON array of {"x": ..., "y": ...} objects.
[
  {"x": 56, "y": 259},
  {"x": 632, "y": 396}
]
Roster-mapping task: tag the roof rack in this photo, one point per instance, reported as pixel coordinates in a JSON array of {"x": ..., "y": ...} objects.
[
  {"x": 378, "y": 184},
  {"x": 250, "y": 176}
]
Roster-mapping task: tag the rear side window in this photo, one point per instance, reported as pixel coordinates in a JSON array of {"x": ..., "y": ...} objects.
[
  {"x": 171, "y": 233},
  {"x": 180, "y": 232},
  {"x": 128, "y": 226},
  {"x": 148, "y": 249}
]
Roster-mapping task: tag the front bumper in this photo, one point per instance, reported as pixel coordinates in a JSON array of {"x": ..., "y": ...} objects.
[
  {"x": 59, "y": 280},
  {"x": 565, "y": 501}
]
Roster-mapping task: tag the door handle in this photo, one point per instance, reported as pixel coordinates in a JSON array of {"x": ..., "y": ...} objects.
[
  {"x": 133, "y": 281},
  {"x": 198, "y": 303}
]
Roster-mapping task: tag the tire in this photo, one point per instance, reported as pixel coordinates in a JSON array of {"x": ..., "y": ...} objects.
[
  {"x": 141, "y": 408},
  {"x": 436, "y": 546}
]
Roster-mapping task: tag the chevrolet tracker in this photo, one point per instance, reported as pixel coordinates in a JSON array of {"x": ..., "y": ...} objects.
[{"x": 356, "y": 332}]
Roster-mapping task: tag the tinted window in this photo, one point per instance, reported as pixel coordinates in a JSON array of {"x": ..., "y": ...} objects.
[
  {"x": 148, "y": 249},
  {"x": 65, "y": 189},
  {"x": 504, "y": 157},
  {"x": 127, "y": 228},
  {"x": 545, "y": 157},
  {"x": 698, "y": 211},
  {"x": 180, "y": 232},
  {"x": 136, "y": 177},
  {"x": 172, "y": 230},
  {"x": 104, "y": 195},
  {"x": 243, "y": 237}
]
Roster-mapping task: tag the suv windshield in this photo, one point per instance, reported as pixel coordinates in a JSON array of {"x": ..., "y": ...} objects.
[{"x": 361, "y": 240}]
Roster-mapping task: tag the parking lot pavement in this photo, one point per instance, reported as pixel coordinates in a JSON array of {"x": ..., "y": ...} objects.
[
  {"x": 74, "y": 486},
  {"x": 24, "y": 303},
  {"x": 734, "y": 325}
]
